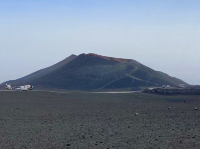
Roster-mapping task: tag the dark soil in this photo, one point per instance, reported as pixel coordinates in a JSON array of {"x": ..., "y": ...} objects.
[{"x": 98, "y": 121}]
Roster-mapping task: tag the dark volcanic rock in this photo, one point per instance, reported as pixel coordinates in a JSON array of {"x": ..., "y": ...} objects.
[
  {"x": 88, "y": 121},
  {"x": 173, "y": 91},
  {"x": 92, "y": 71}
]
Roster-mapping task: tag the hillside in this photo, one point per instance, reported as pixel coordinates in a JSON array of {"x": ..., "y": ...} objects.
[
  {"x": 92, "y": 71},
  {"x": 42, "y": 72}
]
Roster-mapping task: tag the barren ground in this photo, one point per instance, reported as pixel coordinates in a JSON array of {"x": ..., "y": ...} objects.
[{"x": 80, "y": 120}]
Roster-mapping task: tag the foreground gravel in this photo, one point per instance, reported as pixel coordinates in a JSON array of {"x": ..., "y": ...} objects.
[{"x": 98, "y": 121}]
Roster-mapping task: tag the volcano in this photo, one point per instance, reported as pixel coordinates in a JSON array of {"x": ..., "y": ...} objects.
[{"x": 93, "y": 71}]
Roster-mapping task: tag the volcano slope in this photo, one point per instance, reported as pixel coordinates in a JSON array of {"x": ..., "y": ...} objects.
[
  {"x": 92, "y": 71},
  {"x": 96, "y": 121},
  {"x": 40, "y": 73}
]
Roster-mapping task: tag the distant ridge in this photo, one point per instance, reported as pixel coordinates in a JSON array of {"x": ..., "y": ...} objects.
[{"x": 93, "y": 71}]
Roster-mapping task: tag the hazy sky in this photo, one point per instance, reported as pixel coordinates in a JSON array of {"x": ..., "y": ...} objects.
[{"x": 161, "y": 34}]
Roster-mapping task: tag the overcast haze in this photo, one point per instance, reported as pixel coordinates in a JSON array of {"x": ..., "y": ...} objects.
[{"x": 163, "y": 35}]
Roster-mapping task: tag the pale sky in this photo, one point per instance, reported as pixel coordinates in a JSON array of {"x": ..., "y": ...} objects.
[{"x": 161, "y": 34}]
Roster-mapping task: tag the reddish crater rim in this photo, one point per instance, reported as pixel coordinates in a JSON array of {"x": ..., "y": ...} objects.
[{"x": 107, "y": 58}]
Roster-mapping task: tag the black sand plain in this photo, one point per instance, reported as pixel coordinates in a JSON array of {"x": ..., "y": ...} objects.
[{"x": 79, "y": 120}]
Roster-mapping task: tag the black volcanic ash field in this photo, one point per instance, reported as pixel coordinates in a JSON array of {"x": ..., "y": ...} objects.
[{"x": 96, "y": 121}]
